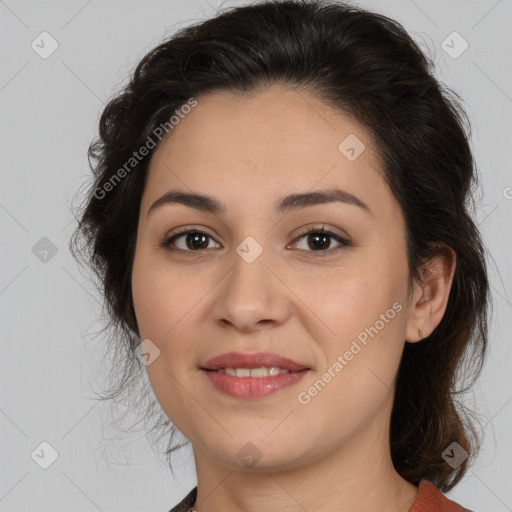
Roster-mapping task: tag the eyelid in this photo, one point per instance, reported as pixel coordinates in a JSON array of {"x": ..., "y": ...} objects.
[{"x": 322, "y": 227}]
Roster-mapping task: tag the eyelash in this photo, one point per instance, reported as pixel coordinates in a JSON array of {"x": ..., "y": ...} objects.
[{"x": 166, "y": 242}]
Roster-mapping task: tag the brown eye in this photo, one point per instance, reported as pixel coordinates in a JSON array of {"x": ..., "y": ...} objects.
[
  {"x": 319, "y": 240},
  {"x": 193, "y": 241}
]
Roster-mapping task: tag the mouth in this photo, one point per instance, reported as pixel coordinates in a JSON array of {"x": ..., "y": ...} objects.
[
  {"x": 260, "y": 372},
  {"x": 253, "y": 376},
  {"x": 263, "y": 363},
  {"x": 251, "y": 383}
]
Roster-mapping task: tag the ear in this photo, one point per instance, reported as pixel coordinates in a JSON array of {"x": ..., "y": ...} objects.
[{"x": 430, "y": 296}]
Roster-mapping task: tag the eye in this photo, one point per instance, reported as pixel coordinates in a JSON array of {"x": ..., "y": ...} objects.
[
  {"x": 319, "y": 239},
  {"x": 190, "y": 241},
  {"x": 193, "y": 241}
]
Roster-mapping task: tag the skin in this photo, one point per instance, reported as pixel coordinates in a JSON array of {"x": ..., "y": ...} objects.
[{"x": 331, "y": 454}]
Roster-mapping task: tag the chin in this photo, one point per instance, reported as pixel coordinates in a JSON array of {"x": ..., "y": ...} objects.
[{"x": 257, "y": 454}]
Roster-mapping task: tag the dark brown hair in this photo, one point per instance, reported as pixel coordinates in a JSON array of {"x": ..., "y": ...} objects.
[{"x": 365, "y": 65}]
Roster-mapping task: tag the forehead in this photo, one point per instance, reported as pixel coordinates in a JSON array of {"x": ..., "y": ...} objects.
[{"x": 274, "y": 141}]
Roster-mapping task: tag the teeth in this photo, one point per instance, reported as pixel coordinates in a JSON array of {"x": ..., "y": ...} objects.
[{"x": 253, "y": 372}]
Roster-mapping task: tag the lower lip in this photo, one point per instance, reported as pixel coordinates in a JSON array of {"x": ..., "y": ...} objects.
[{"x": 253, "y": 387}]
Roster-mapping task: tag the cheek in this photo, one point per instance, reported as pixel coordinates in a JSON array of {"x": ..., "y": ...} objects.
[
  {"x": 158, "y": 296},
  {"x": 364, "y": 307},
  {"x": 161, "y": 307},
  {"x": 354, "y": 299}
]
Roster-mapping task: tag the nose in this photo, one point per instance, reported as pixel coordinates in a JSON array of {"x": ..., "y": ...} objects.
[{"x": 252, "y": 296}]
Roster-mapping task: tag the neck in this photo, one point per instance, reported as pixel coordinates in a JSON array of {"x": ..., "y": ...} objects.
[{"x": 357, "y": 476}]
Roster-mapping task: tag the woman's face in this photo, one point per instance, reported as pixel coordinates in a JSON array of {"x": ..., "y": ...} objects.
[{"x": 246, "y": 279}]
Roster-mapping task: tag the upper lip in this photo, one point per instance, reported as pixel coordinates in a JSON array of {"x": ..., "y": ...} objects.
[{"x": 257, "y": 360}]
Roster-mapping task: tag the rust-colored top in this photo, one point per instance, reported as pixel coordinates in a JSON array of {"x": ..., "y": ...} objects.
[{"x": 429, "y": 499}]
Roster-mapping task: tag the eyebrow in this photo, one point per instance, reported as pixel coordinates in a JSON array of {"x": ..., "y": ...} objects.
[{"x": 285, "y": 204}]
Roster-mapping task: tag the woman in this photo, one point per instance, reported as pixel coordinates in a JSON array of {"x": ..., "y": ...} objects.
[{"x": 279, "y": 218}]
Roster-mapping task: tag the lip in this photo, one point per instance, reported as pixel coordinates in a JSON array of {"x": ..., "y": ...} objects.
[
  {"x": 253, "y": 387},
  {"x": 257, "y": 360}
]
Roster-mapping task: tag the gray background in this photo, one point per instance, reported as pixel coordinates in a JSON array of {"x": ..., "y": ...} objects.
[{"x": 49, "y": 113}]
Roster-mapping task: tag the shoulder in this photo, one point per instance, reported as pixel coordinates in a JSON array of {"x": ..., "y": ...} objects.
[
  {"x": 187, "y": 503},
  {"x": 431, "y": 499}
]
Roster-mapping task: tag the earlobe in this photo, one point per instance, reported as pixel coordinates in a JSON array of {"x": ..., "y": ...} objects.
[{"x": 430, "y": 297}]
